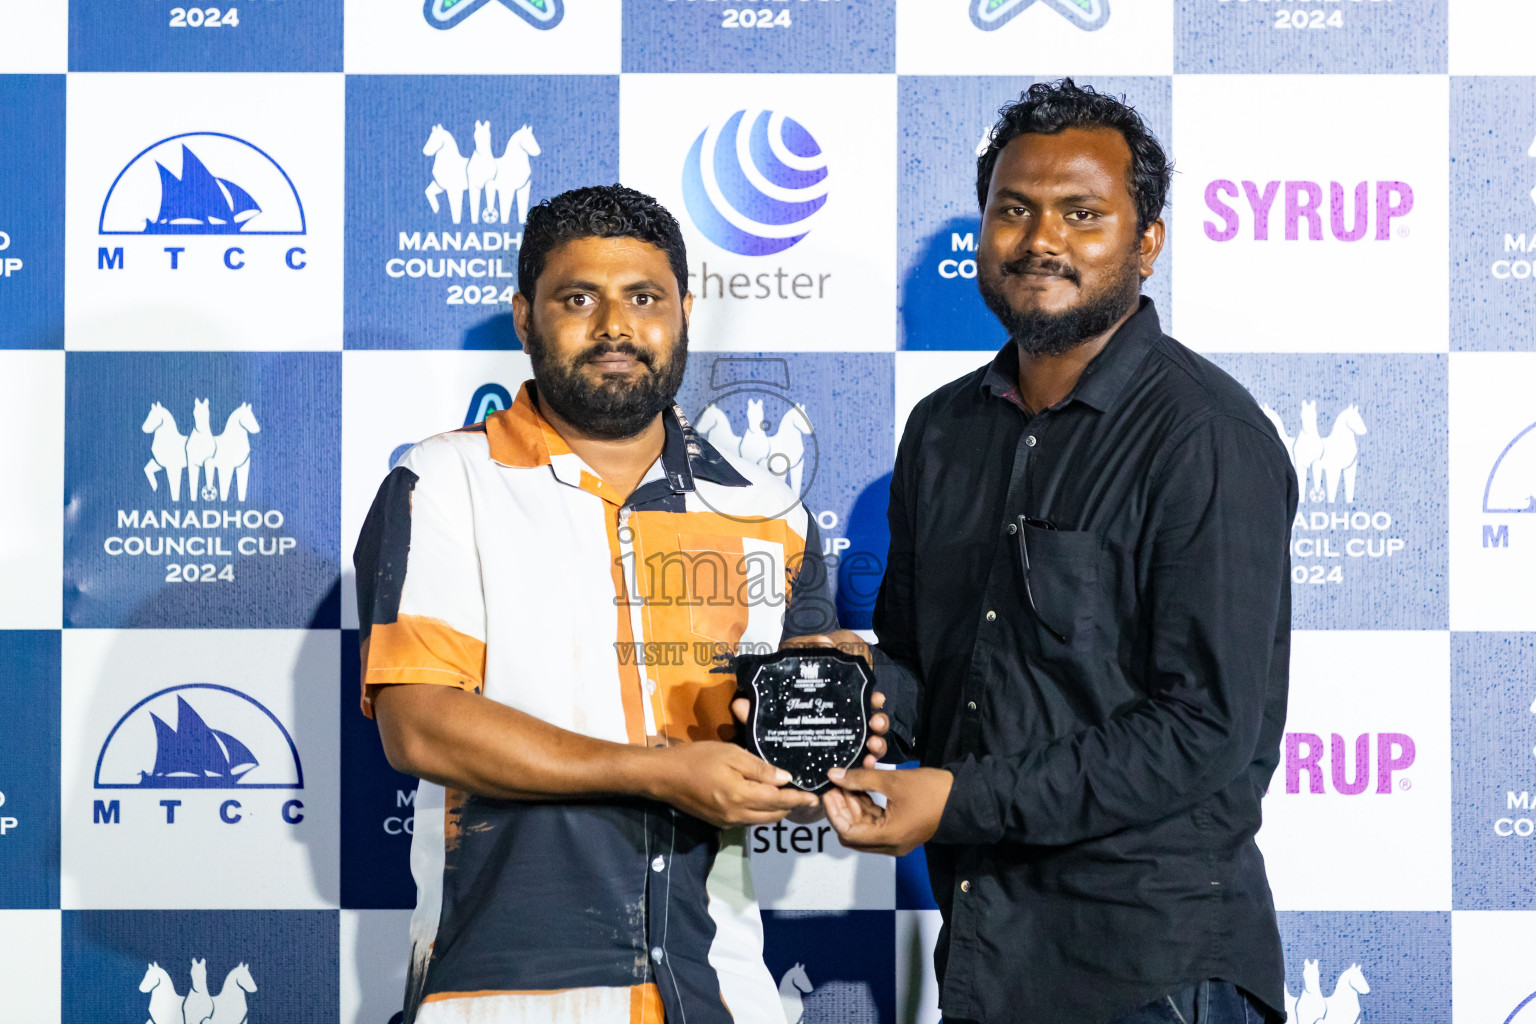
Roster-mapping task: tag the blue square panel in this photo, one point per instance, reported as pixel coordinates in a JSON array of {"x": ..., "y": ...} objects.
[
  {"x": 1334, "y": 36},
  {"x": 202, "y": 490},
  {"x": 31, "y": 211},
  {"x": 808, "y": 36},
  {"x": 440, "y": 175},
  {"x": 257, "y": 35},
  {"x": 29, "y": 770}
]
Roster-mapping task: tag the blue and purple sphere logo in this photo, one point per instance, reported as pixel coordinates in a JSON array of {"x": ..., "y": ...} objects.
[{"x": 753, "y": 183}]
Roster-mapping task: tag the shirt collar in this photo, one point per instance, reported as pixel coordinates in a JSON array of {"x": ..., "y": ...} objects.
[
  {"x": 1103, "y": 379},
  {"x": 520, "y": 437}
]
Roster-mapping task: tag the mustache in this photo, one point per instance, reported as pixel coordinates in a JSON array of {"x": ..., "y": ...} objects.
[
  {"x": 1041, "y": 265},
  {"x": 605, "y": 348}
]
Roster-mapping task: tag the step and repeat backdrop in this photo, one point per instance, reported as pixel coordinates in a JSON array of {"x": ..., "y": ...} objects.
[{"x": 250, "y": 252}]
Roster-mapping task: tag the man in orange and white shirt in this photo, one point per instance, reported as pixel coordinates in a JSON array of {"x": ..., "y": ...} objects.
[{"x": 539, "y": 597}]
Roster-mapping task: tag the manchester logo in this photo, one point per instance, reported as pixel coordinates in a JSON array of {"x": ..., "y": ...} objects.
[
  {"x": 202, "y": 183},
  {"x": 199, "y": 736},
  {"x": 167, "y": 1006},
  {"x": 538, "y": 13},
  {"x": 753, "y": 183},
  {"x": 1088, "y": 15}
]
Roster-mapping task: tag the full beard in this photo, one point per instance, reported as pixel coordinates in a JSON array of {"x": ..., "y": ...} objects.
[
  {"x": 615, "y": 406},
  {"x": 1053, "y": 334}
]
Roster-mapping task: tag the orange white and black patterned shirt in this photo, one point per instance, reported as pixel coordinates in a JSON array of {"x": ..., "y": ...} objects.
[{"x": 494, "y": 560}]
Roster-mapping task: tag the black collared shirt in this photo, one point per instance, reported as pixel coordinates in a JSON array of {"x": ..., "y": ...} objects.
[{"x": 1112, "y": 726}]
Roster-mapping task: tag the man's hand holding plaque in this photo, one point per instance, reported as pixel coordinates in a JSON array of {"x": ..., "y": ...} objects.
[{"x": 808, "y": 710}]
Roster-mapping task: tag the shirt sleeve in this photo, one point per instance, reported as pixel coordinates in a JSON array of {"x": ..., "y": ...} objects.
[
  {"x": 1218, "y": 594},
  {"x": 420, "y": 601},
  {"x": 897, "y": 672}
]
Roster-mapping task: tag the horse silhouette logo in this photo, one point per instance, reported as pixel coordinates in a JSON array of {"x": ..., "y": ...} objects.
[
  {"x": 1312, "y": 1007},
  {"x": 782, "y": 453},
  {"x": 226, "y": 455},
  {"x": 793, "y": 988},
  {"x": 1327, "y": 460},
  {"x": 1088, "y": 15},
  {"x": 202, "y": 183},
  {"x": 542, "y": 14},
  {"x": 167, "y": 1006},
  {"x": 500, "y": 180}
]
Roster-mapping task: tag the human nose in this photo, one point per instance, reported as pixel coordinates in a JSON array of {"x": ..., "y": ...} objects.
[{"x": 612, "y": 321}]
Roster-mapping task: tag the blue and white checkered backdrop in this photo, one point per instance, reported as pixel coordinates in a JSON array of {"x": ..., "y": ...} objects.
[{"x": 1353, "y": 236}]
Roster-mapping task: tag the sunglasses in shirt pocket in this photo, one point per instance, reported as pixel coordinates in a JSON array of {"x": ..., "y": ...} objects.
[{"x": 1064, "y": 584}]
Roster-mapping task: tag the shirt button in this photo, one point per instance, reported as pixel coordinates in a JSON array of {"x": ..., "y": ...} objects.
[
  {"x": 1013, "y": 527},
  {"x": 965, "y": 886},
  {"x": 659, "y": 864},
  {"x": 991, "y": 616},
  {"x": 1030, "y": 440},
  {"x": 656, "y": 954},
  {"x": 970, "y": 705}
]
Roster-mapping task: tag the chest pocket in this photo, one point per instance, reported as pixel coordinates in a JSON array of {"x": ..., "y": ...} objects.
[
  {"x": 712, "y": 587},
  {"x": 1064, "y": 584}
]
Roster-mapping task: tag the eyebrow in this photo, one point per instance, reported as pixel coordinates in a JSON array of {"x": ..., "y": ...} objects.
[
  {"x": 592, "y": 286},
  {"x": 1013, "y": 195}
]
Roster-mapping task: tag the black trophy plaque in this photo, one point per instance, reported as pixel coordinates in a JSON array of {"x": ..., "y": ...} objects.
[{"x": 810, "y": 710}]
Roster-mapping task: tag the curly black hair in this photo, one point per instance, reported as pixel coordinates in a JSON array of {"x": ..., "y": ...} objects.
[
  {"x": 1047, "y": 108},
  {"x": 598, "y": 211}
]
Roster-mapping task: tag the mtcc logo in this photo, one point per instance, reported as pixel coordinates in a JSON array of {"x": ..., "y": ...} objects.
[
  {"x": 538, "y": 13},
  {"x": 167, "y": 1006},
  {"x": 1088, "y": 15},
  {"x": 1525, "y": 1013},
  {"x": 1312, "y": 1007},
  {"x": 199, "y": 736},
  {"x": 225, "y": 455},
  {"x": 753, "y": 183},
  {"x": 1511, "y": 486},
  {"x": 202, "y": 183},
  {"x": 501, "y": 179},
  {"x": 165, "y": 742}
]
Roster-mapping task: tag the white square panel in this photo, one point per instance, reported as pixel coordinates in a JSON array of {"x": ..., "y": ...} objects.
[
  {"x": 1492, "y": 978},
  {"x": 391, "y": 400},
  {"x": 1310, "y": 213},
  {"x": 29, "y": 965},
  {"x": 1038, "y": 37},
  {"x": 1491, "y": 37},
  {"x": 375, "y": 951},
  {"x": 32, "y": 515},
  {"x": 804, "y": 867},
  {"x": 488, "y": 37},
  {"x": 204, "y": 211},
  {"x": 920, "y": 374},
  {"x": 785, "y": 202},
  {"x": 1357, "y": 816},
  {"x": 34, "y": 38},
  {"x": 1493, "y": 490},
  {"x": 200, "y": 769}
]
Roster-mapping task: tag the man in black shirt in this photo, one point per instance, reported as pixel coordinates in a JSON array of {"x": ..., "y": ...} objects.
[{"x": 1084, "y": 627}]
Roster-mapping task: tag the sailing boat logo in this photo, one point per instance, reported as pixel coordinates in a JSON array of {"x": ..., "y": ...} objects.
[
  {"x": 202, "y": 183},
  {"x": 199, "y": 736}
]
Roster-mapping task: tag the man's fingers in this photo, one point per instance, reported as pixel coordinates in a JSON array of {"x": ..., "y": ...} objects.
[
  {"x": 756, "y": 769},
  {"x": 858, "y": 780},
  {"x": 877, "y": 699},
  {"x": 770, "y": 798},
  {"x": 741, "y": 708},
  {"x": 879, "y": 724},
  {"x": 877, "y": 747}
]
